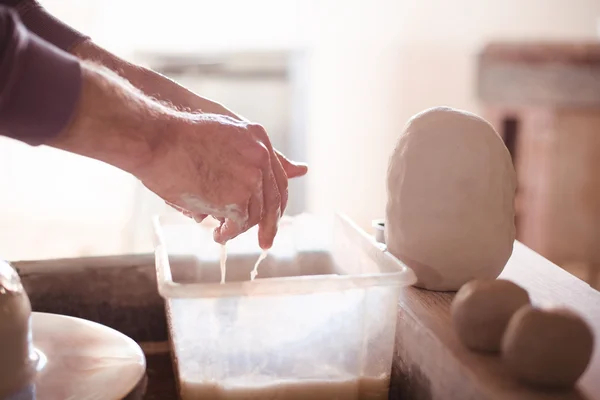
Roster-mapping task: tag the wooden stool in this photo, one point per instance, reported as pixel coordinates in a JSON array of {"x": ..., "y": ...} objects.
[{"x": 544, "y": 99}]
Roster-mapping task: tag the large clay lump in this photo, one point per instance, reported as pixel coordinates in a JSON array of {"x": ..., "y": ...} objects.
[{"x": 450, "y": 199}]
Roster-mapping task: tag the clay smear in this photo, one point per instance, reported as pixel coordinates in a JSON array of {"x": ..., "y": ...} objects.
[
  {"x": 262, "y": 256},
  {"x": 223, "y": 262}
]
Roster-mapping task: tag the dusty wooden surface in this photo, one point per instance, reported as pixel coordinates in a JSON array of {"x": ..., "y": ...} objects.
[
  {"x": 431, "y": 363},
  {"x": 161, "y": 379},
  {"x": 118, "y": 291}
]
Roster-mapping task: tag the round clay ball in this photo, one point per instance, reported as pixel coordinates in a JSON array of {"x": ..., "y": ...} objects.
[
  {"x": 482, "y": 309},
  {"x": 547, "y": 348}
]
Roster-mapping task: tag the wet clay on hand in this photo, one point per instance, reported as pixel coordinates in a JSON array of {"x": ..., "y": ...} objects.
[
  {"x": 481, "y": 311},
  {"x": 450, "y": 199},
  {"x": 547, "y": 348}
]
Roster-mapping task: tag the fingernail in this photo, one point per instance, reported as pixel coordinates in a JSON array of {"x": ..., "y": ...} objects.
[
  {"x": 227, "y": 231},
  {"x": 265, "y": 246},
  {"x": 218, "y": 236},
  {"x": 267, "y": 243}
]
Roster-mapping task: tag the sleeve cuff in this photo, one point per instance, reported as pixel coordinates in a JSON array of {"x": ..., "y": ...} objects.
[
  {"x": 41, "y": 94},
  {"x": 48, "y": 27}
]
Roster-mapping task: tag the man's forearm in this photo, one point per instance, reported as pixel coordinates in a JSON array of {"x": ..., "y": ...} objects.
[
  {"x": 150, "y": 82},
  {"x": 113, "y": 122}
]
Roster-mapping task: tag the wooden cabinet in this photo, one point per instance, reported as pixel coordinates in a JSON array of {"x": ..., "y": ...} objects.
[{"x": 544, "y": 99}]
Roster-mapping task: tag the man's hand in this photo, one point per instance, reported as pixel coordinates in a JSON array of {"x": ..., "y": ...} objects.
[
  {"x": 202, "y": 164},
  {"x": 216, "y": 165},
  {"x": 178, "y": 97}
]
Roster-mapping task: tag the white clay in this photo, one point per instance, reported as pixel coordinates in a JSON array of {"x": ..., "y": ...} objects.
[
  {"x": 197, "y": 205},
  {"x": 481, "y": 310},
  {"x": 223, "y": 263},
  {"x": 547, "y": 348},
  {"x": 17, "y": 357},
  {"x": 261, "y": 257},
  {"x": 450, "y": 199}
]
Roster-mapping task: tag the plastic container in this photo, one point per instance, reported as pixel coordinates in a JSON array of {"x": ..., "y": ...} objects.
[{"x": 317, "y": 323}]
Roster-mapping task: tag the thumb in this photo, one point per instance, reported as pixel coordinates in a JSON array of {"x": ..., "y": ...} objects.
[{"x": 292, "y": 169}]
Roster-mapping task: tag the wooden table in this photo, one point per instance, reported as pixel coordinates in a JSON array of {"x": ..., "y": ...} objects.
[{"x": 429, "y": 363}]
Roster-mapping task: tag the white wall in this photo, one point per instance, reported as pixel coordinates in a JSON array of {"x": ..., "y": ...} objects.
[
  {"x": 376, "y": 63},
  {"x": 185, "y": 25},
  {"x": 55, "y": 204}
]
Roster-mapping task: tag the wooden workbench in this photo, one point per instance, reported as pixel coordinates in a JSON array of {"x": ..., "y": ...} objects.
[{"x": 429, "y": 363}]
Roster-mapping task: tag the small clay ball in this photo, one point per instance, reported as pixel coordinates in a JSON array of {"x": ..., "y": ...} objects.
[
  {"x": 547, "y": 348},
  {"x": 481, "y": 310}
]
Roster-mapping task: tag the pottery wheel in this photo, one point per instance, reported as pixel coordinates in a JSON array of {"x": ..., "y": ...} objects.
[{"x": 83, "y": 360}]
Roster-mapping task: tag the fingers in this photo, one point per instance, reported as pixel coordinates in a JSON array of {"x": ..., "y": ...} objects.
[
  {"x": 231, "y": 227},
  {"x": 275, "y": 187},
  {"x": 228, "y": 229},
  {"x": 266, "y": 204},
  {"x": 267, "y": 227},
  {"x": 292, "y": 169},
  {"x": 279, "y": 174},
  {"x": 255, "y": 208},
  {"x": 280, "y": 179}
]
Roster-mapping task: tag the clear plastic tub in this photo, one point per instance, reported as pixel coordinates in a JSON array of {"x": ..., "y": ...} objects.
[{"x": 317, "y": 323}]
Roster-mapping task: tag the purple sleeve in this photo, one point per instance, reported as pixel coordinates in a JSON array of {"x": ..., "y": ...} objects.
[
  {"x": 43, "y": 24},
  {"x": 40, "y": 84}
]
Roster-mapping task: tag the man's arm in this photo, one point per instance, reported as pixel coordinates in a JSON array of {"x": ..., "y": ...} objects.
[
  {"x": 114, "y": 122},
  {"x": 204, "y": 163},
  {"x": 47, "y": 96},
  {"x": 151, "y": 83}
]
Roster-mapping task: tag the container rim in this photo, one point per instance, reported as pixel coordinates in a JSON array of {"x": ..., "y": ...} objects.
[{"x": 394, "y": 273}]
